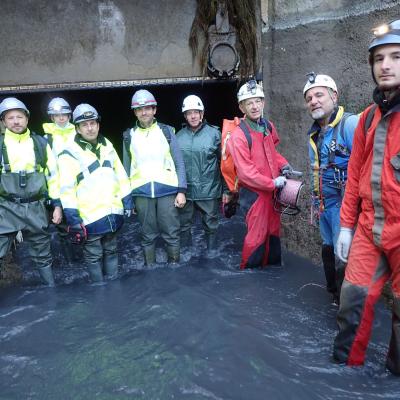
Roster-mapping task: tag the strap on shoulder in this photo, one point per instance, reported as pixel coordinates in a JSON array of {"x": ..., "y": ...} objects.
[
  {"x": 3, "y": 155},
  {"x": 49, "y": 139},
  {"x": 269, "y": 126},
  {"x": 243, "y": 126},
  {"x": 166, "y": 131},
  {"x": 370, "y": 117},
  {"x": 1, "y": 150},
  {"x": 126, "y": 135},
  {"x": 339, "y": 128},
  {"x": 39, "y": 145}
]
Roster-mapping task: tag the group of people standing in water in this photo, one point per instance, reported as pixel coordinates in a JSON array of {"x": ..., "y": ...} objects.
[{"x": 74, "y": 174}]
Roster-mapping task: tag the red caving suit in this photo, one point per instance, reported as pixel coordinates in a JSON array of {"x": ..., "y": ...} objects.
[
  {"x": 256, "y": 166},
  {"x": 371, "y": 206}
]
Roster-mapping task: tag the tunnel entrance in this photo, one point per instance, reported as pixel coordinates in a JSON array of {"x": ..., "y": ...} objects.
[{"x": 113, "y": 104}]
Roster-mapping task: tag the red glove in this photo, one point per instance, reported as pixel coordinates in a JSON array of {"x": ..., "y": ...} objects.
[{"x": 77, "y": 233}]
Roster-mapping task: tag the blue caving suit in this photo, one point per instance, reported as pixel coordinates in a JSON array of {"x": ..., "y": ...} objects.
[{"x": 329, "y": 152}]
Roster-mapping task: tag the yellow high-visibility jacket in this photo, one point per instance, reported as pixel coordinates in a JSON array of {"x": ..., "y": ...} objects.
[
  {"x": 154, "y": 161},
  {"x": 95, "y": 189},
  {"x": 58, "y": 137}
]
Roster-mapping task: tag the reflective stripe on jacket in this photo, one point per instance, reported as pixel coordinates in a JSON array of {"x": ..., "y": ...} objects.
[
  {"x": 94, "y": 187},
  {"x": 157, "y": 168},
  {"x": 319, "y": 160}
]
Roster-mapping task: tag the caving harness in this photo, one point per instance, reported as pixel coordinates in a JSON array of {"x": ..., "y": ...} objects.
[{"x": 339, "y": 174}]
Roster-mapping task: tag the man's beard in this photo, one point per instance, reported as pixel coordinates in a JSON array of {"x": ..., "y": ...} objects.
[
  {"x": 18, "y": 131},
  {"x": 318, "y": 114}
]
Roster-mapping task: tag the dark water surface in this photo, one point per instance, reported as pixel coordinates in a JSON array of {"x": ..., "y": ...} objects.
[{"x": 201, "y": 330}]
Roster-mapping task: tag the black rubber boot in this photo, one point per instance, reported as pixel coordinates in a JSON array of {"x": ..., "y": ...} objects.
[
  {"x": 95, "y": 272},
  {"x": 275, "y": 251},
  {"x": 46, "y": 275},
  {"x": 149, "y": 253},
  {"x": 393, "y": 357},
  {"x": 186, "y": 239},
  {"x": 70, "y": 252},
  {"x": 211, "y": 241},
  {"x": 110, "y": 265},
  {"x": 328, "y": 261},
  {"x": 340, "y": 271},
  {"x": 173, "y": 254}
]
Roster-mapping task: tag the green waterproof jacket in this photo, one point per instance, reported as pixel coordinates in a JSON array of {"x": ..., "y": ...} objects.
[{"x": 202, "y": 155}]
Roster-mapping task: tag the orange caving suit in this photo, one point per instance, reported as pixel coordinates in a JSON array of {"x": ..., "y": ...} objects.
[
  {"x": 371, "y": 206},
  {"x": 257, "y": 165}
]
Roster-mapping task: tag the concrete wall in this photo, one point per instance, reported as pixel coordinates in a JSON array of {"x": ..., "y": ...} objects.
[
  {"x": 86, "y": 40},
  {"x": 323, "y": 36}
]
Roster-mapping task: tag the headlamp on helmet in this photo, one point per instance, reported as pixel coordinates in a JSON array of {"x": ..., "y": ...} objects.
[
  {"x": 85, "y": 112},
  {"x": 319, "y": 80},
  {"x": 250, "y": 90},
  {"x": 381, "y": 30},
  {"x": 386, "y": 34},
  {"x": 58, "y": 106}
]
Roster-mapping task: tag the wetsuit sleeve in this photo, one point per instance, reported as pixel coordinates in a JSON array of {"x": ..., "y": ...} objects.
[
  {"x": 245, "y": 168},
  {"x": 177, "y": 156},
  {"x": 350, "y": 207},
  {"x": 69, "y": 169}
]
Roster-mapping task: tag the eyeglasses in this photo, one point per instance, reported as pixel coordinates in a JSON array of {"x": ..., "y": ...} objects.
[
  {"x": 393, "y": 28},
  {"x": 311, "y": 76}
]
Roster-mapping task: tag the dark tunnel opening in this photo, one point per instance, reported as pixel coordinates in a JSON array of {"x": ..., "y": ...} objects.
[{"x": 113, "y": 104}]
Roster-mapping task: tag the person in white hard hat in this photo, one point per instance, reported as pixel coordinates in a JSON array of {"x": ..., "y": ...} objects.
[
  {"x": 59, "y": 132},
  {"x": 369, "y": 238},
  {"x": 200, "y": 143},
  {"x": 259, "y": 167},
  {"x": 329, "y": 148},
  {"x": 28, "y": 179},
  {"x": 95, "y": 193},
  {"x": 154, "y": 163}
]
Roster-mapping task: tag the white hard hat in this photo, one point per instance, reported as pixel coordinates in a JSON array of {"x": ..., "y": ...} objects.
[
  {"x": 58, "y": 106},
  {"x": 84, "y": 112},
  {"x": 249, "y": 90},
  {"x": 319, "y": 80},
  {"x": 143, "y": 98},
  {"x": 11, "y": 103},
  {"x": 192, "y": 102}
]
